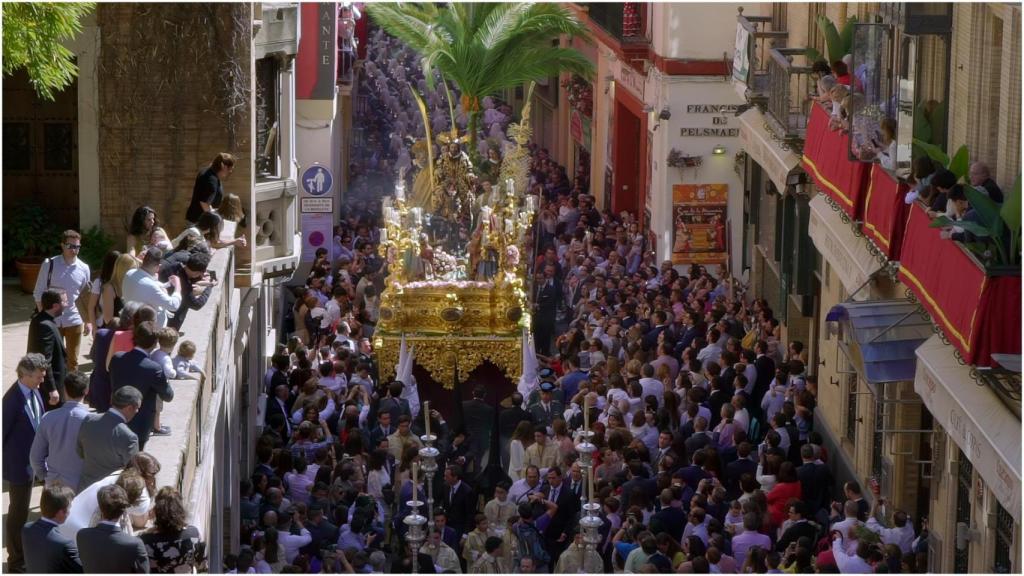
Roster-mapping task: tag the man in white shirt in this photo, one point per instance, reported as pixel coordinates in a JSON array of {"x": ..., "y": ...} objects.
[
  {"x": 142, "y": 285},
  {"x": 845, "y": 525},
  {"x": 713, "y": 351},
  {"x": 528, "y": 484},
  {"x": 902, "y": 532},
  {"x": 651, "y": 385},
  {"x": 855, "y": 563},
  {"x": 292, "y": 542},
  {"x": 66, "y": 272}
]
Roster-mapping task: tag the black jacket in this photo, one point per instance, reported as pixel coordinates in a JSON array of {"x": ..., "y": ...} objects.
[
  {"x": 44, "y": 338},
  {"x": 189, "y": 301}
]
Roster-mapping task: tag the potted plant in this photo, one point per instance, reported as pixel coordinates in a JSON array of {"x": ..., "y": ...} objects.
[{"x": 30, "y": 236}]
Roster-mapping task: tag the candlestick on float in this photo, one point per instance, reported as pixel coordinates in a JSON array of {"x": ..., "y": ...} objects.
[{"x": 426, "y": 416}]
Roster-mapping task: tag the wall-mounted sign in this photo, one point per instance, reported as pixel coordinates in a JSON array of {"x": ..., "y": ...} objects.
[
  {"x": 315, "y": 63},
  {"x": 699, "y": 212},
  {"x": 631, "y": 79},
  {"x": 316, "y": 205},
  {"x": 317, "y": 180},
  {"x": 712, "y": 108},
  {"x": 710, "y": 131}
]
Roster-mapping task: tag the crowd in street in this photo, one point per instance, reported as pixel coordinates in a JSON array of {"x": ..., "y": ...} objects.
[
  {"x": 703, "y": 415},
  {"x": 84, "y": 436}
]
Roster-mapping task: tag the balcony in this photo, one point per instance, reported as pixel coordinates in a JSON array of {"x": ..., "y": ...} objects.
[
  {"x": 789, "y": 87},
  {"x": 762, "y": 40},
  {"x": 885, "y": 212},
  {"x": 826, "y": 161},
  {"x": 276, "y": 238},
  {"x": 978, "y": 309},
  {"x": 613, "y": 18}
]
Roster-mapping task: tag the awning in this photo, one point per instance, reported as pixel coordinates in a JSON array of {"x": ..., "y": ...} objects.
[
  {"x": 886, "y": 332},
  {"x": 984, "y": 429},
  {"x": 761, "y": 147},
  {"x": 846, "y": 253}
]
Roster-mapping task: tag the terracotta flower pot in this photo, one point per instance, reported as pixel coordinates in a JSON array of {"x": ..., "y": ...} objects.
[{"x": 28, "y": 270}]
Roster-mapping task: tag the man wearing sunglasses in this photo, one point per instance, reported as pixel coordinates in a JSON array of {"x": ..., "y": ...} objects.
[{"x": 66, "y": 272}]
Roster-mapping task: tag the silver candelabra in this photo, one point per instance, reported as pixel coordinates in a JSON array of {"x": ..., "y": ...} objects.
[{"x": 590, "y": 524}]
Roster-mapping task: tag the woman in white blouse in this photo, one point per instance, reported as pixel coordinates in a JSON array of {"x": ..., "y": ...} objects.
[
  {"x": 521, "y": 440},
  {"x": 378, "y": 477}
]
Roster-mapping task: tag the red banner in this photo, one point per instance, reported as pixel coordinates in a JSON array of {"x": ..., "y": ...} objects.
[
  {"x": 885, "y": 212},
  {"x": 979, "y": 314},
  {"x": 825, "y": 160}
]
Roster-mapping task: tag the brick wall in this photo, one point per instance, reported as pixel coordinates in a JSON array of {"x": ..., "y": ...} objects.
[{"x": 174, "y": 90}]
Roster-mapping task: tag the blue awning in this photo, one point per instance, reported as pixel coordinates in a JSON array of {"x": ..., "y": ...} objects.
[{"x": 886, "y": 334}]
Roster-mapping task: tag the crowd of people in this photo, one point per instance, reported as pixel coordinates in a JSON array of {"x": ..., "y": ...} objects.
[
  {"x": 845, "y": 94},
  {"x": 84, "y": 436},
  {"x": 707, "y": 460}
]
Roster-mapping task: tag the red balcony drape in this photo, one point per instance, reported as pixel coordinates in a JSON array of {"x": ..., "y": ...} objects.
[
  {"x": 978, "y": 313},
  {"x": 885, "y": 212},
  {"x": 825, "y": 160}
]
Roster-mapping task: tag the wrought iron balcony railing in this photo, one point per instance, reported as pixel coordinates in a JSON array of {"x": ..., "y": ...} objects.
[
  {"x": 789, "y": 89},
  {"x": 762, "y": 39}
]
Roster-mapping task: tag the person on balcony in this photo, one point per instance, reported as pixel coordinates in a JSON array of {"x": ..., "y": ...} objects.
[{"x": 981, "y": 177}]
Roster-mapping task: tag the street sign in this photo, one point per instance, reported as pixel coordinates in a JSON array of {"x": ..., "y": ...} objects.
[
  {"x": 317, "y": 205},
  {"x": 317, "y": 180}
]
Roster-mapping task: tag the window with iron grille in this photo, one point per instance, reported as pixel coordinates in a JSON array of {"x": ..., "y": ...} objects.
[
  {"x": 851, "y": 406},
  {"x": 964, "y": 481},
  {"x": 1004, "y": 541},
  {"x": 267, "y": 115}
]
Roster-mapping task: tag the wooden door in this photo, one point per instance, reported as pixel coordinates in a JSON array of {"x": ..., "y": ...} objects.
[{"x": 40, "y": 149}]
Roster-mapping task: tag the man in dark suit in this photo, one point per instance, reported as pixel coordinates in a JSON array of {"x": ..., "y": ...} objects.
[
  {"x": 383, "y": 429},
  {"x": 650, "y": 339},
  {"x": 815, "y": 480},
  {"x": 393, "y": 403},
  {"x": 22, "y": 412},
  {"x": 512, "y": 413},
  {"x": 549, "y": 291},
  {"x": 800, "y": 528},
  {"x": 671, "y": 518},
  {"x": 105, "y": 442},
  {"x": 636, "y": 480},
  {"x": 765, "y": 373},
  {"x": 105, "y": 548},
  {"x": 278, "y": 373},
  {"x": 558, "y": 534},
  {"x": 700, "y": 438},
  {"x": 46, "y": 550},
  {"x": 743, "y": 464},
  {"x": 478, "y": 419},
  {"x": 459, "y": 500},
  {"x": 281, "y": 403},
  {"x": 135, "y": 368},
  {"x": 44, "y": 338}
]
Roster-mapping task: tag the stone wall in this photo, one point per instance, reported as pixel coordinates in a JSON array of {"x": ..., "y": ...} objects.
[{"x": 174, "y": 90}]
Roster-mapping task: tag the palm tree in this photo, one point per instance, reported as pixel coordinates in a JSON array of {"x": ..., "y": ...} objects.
[{"x": 485, "y": 48}]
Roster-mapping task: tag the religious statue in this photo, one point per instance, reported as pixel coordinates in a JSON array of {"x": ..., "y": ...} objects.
[
  {"x": 490, "y": 167},
  {"x": 422, "y": 187},
  {"x": 455, "y": 181}
]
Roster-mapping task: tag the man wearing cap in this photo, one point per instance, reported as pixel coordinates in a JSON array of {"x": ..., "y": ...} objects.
[
  {"x": 547, "y": 409},
  {"x": 546, "y": 375}
]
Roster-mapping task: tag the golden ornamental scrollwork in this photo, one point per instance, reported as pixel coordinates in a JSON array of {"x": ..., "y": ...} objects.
[{"x": 439, "y": 356}]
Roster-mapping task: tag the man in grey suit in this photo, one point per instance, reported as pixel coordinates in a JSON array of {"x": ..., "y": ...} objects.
[
  {"x": 105, "y": 549},
  {"x": 46, "y": 550},
  {"x": 105, "y": 442},
  {"x": 54, "y": 455}
]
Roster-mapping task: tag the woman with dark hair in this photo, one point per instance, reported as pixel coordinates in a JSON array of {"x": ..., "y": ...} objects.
[
  {"x": 208, "y": 192},
  {"x": 172, "y": 544},
  {"x": 211, "y": 225},
  {"x": 378, "y": 480},
  {"x": 140, "y": 230},
  {"x": 101, "y": 293}
]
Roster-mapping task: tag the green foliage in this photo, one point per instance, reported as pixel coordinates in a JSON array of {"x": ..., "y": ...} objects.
[
  {"x": 934, "y": 152},
  {"x": 996, "y": 224},
  {"x": 28, "y": 232},
  {"x": 837, "y": 43},
  {"x": 959, "y": 164},
  {"x": 485, "y": 48},
  {"x": 33, "y": 36},
  {"x": 1010, "y": 213},
  {"x": 95, "y": 245}
]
